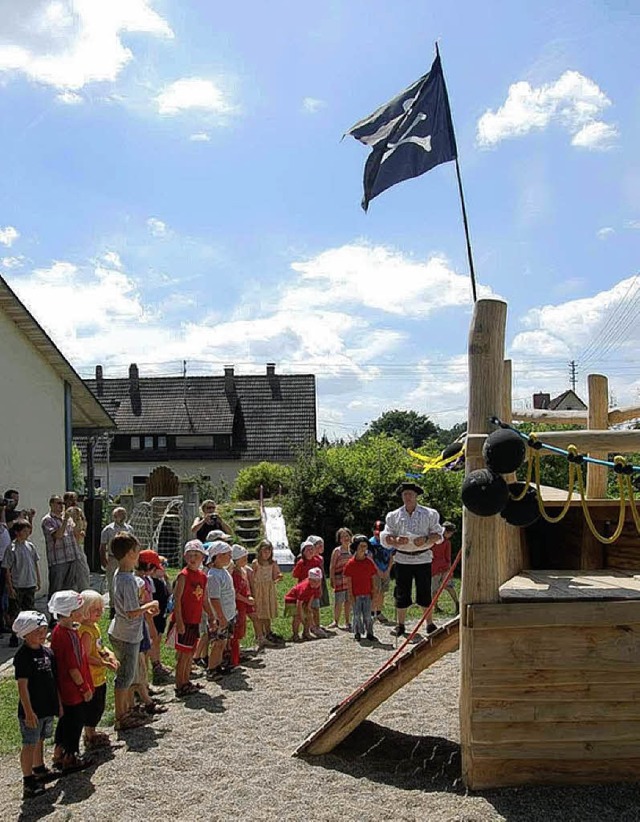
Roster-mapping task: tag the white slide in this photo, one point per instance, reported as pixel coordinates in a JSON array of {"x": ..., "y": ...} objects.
[{"x": 276, "y": 532}]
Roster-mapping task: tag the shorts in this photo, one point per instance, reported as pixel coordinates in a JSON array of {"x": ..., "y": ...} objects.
[
  {"x": 436, "y": 582},
  {"x": 127, "y": 655},
  {"x": 291, "y": 609},
  {"x": 145, "y": 642},
  {"x": 160, "y": 621},
  {"x": 405, "y": 576},
  {"x": 220, "y": 634},
  {"x": 43, "y": 730},
  {"x": 315, "y": 603},
  {"x": 95, "y": 708},
  {"x": 380, "y": 585},
  {"x": 187, "y": 641},
  {"x": 340, "y": 597}
]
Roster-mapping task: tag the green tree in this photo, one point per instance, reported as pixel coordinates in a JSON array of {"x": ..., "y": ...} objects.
[
  {"x": 354, "y": 485},
  {"x": 77, "y": 479},
  {"x": 274, "y": 478},
  {"x": 408, "y": 427}
]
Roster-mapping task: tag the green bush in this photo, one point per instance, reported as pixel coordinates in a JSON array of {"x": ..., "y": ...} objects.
[{"x": 274, "y": 478}]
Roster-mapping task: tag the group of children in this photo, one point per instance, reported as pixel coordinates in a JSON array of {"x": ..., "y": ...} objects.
[{"x": 207, "y": 615}]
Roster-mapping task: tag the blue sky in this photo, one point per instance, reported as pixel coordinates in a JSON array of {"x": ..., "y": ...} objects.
[{"x": 174, "y": 187}]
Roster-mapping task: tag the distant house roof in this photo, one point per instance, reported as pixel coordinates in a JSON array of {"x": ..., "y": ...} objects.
[
  {"x": 86, "y": 413},
  {"x": 568, "y": 400},
  {"x": 270, "y": 416}
]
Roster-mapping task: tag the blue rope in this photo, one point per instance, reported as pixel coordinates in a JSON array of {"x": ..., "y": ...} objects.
[{"x": 556, "y": 450}]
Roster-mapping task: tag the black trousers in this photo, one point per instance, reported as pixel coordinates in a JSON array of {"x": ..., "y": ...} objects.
[
  {"x": 406, "y": 575},
  {"x": 69, "y": 728}
]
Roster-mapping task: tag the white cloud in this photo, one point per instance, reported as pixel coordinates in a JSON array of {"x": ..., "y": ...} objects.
[
  {"x": 574, "y": 101},
  {"x": 193, "y": 93},
  {"x": 12, "y": 262},
  {"x": 70, "y": 98},
  {"x": 70, "y": 43},
  {"x": 200, "y": 137},
  {"x": 8, "y": 235},
  {"x": 597, "y": 136},
  {"x": 370, "y": 276},
  {"x": 603, "y": 233},
  {"x": 112, "y": 258},
  {"x": 157, "y": 227},
  {"x": 633, "y": 224},
  {"x": 311, "y": 105}
]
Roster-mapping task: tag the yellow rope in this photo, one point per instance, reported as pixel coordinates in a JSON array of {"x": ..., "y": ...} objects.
[
  {"x": 585, "y": 507},
  {"x": 527, "y": 482},
  {"x": 632, "y": 501},
  {"x": 571, "y": 483}
]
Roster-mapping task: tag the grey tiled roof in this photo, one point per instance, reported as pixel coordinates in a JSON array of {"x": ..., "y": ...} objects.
[{"x": 269, "y": 416}]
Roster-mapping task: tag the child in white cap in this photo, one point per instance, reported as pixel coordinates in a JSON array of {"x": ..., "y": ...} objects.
[
  {"x": 245, "y": 603},
  {"x": 73, "y": 676},
  {"x": 38, "y": 693},
  {"x": 222, "y": 595},
  {"x": 297, "y": 604}
]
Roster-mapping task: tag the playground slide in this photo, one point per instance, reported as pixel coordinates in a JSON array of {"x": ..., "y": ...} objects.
[
  {"x": 275, "y": 531},
  {"x": 356, "y": 708}
]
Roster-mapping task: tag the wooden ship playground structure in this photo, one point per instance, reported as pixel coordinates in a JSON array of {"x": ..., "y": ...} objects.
[{"x": 549, "y": 628}]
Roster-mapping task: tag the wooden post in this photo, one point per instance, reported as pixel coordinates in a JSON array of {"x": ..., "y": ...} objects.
[
  {"x": 482, "y": 537},
  {"x": 599, "y": 419}
]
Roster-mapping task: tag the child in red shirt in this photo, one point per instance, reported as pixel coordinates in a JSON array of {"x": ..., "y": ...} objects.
[
  {"x": 73, "y": 675},
  {"x": 441, "y": 563},
  {"x": 245, "y": 603},
  {"x": 190, "y": 597},
  {"x": 297, "y": 604},
  {"x": 359, "y": 573},
  {"x": 309, "y": 559}
]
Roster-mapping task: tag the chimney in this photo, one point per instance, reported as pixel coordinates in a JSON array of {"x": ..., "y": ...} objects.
[
  {"x": 229, "y": 381},
  {"x": 99, "y": 382},
  {"x": 541, "y": 401},
  {"x": 271, "y": 369},
  {"x": 134, "y": 391}
]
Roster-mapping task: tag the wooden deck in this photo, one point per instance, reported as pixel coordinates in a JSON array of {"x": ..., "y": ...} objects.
[{"x": 560, "y": 586}]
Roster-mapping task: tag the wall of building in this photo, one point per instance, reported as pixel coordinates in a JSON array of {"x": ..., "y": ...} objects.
[
  {"x": 121, "y": 474},
  {"x": 32, "y": 453}
]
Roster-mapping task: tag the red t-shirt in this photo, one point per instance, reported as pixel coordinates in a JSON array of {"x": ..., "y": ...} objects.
[
  {"x": 441, "y": 561},
  {"x": 302, "y": 592},
  {"x": 69, "y": 653},
  {"x": 303, "y": 566},
  {"x": 242, "y": 587},
  {"x": 191, "y": 602},
  {"x": 361, "y": 572}
]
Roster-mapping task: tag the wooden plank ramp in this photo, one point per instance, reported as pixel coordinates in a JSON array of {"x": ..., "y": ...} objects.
[{"x": 355, "y": 709}]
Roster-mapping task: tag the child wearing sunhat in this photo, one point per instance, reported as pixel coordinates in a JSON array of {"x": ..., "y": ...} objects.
[
  {"x": 297, "y": 604},
  {"x": 73, "y": 676},
  {"x": 35, "y": 672},
  {"x": 222, "y": 596},
  {"x": 190, "y": 598}
]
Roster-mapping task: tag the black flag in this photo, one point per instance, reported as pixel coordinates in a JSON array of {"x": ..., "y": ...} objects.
[{"x": 408, "y": 136}]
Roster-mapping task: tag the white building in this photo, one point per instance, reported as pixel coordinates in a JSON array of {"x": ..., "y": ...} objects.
[{"x": 43, "y": 402}]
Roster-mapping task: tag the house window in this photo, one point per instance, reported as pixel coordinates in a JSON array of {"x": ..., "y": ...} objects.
[
  {"x": 221, "y": 442},
  {"x": 135, "y": 443},
  {"x": 162, "y": 442},
  {"x": 148, "y": 442},
  {"x": 194, "y": 442},
  {"x": 139, "y": 480}
]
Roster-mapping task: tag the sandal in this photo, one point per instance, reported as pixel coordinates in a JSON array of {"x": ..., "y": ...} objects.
[
  {"x": 187, "y": 689},
  {"x": 152, "y": 708},
  {"x": 130, "y": 721},
  {"x": 98, "y": 740},
  {"x": 45, "y": 774},
  {"x": 73, "y": 763}
]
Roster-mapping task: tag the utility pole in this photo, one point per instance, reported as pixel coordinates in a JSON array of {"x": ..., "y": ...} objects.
[{"x": 572, "y": 374}]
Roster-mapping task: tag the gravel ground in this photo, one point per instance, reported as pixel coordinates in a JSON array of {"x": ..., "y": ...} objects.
[{"x": 228, "y": 752}]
